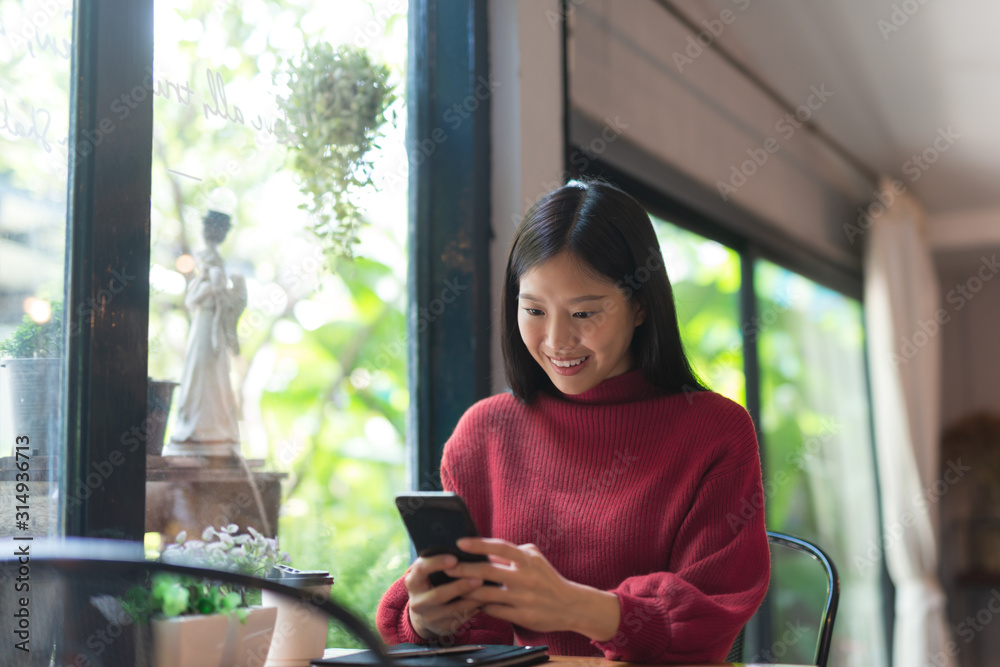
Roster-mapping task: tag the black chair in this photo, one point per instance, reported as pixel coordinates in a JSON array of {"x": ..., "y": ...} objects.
[
  {"x": 798, "y": 590},
  {"x": 71, "y": 581}
]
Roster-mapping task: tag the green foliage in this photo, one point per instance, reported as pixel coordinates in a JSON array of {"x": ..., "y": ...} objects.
[
  {"x": 335, "y": 110},
  {"x": 170, "y": 595},
  {"x": 32, "y": 339}
]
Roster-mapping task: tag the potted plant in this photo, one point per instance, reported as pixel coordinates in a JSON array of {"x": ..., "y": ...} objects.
[
  {"x": 31, "y": 364},
  {"x": 201, "y": 623},
  {"x": 334, "y": 112}
]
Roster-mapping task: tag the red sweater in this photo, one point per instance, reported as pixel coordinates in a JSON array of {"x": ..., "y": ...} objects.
[{"x": 626, "y": 489}]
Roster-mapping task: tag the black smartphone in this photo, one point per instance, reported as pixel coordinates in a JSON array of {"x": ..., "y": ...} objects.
[{"x": 435, "y": 520}]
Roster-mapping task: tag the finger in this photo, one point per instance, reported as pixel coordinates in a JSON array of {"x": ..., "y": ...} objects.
[
  {"x": 501, "y": 611},
  {"x": 444, "y": 593},
  {"x": 434, "y": 563},
  {"x": 485, "y": 595},
  {"x": 483, "y": 571},
  {"x": 417, "y": 578},
  {"x": 491, "y": 545}
]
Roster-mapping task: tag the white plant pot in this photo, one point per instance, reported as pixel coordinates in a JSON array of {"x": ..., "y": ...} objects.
[
  {"x": 189, "y": 641},
  {"x": 216, "y": 640},
  {"x": 248, "y": 644},
  {"x": 300, "y": 630}
]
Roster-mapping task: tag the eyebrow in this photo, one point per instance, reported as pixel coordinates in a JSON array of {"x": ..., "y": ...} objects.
[{"x": 588, "y": 297}]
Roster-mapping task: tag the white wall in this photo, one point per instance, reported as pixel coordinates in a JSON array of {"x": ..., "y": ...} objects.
[{"x": 525, "y": 45}]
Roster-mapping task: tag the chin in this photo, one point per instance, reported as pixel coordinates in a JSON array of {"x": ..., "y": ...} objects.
[{"x": 571, "y": 386}]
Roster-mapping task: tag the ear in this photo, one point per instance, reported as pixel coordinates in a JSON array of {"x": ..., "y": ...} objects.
[{"x": 639, "y": 312}]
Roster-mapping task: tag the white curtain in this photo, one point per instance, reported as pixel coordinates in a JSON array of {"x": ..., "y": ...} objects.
[{"x": 902, "y": 299}]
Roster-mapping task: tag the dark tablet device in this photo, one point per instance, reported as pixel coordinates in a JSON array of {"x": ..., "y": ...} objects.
[{"x": 435, "y": 520}]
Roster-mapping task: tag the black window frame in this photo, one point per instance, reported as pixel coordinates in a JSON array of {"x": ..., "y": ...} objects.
[{"x": 108, "y": 231}]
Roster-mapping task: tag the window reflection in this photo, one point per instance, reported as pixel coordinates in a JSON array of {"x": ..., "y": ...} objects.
[
  {"x": 320, "y": 378},
  {"x": 35, "y": 51}
]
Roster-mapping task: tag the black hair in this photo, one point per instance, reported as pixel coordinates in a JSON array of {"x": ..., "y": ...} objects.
[{"x": 612, "y": 236}]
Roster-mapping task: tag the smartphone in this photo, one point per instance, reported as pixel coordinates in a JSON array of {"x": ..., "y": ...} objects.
[{"x": 435, "y": 520}]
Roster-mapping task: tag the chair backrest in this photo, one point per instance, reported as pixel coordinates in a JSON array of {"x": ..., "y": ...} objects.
[
  {"x": 801, "y": 604},
  {"x": 75, "y": 591}
]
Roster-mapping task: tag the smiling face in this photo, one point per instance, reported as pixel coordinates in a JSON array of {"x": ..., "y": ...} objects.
[{"x": 577, "y": 327}]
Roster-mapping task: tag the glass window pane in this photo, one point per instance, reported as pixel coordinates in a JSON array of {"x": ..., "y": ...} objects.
[
  {"x": 705, "y": 276},
  {"x": 259, "y": 343},
  {"x": 35, "y": 52},
  {"x": 818, "y": 457}
]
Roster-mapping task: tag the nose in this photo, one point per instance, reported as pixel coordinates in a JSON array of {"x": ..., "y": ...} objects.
[{"x": 561, "y": 334}]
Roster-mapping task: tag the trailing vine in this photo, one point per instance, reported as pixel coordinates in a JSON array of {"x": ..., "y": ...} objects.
[{"x": 335, "y": 111}]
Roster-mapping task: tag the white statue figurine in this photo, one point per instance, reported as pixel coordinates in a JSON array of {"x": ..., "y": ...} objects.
[{"x": 207, "y": 418}]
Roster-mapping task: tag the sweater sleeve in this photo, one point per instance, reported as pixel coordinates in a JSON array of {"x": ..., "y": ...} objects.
[
  {"x": 393, "y": 615},
  {"x": 717, "y": 575}
]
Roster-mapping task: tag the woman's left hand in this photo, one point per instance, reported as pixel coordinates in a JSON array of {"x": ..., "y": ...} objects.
[{"x": 532, "y": 594}]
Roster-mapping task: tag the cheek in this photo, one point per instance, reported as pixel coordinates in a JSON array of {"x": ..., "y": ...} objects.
[{"x": 525, "y": 326}]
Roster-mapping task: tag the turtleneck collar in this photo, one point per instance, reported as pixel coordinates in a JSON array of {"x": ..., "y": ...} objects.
[{"x": 624, "y": 388}]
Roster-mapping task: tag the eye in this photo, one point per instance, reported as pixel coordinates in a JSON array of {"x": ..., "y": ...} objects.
[
  {"x": 534, "y": 312},
  {"x": 583, "y": 315}
]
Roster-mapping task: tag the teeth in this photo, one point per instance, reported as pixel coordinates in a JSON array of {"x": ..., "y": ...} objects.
[{"x": 569, "y": 364}]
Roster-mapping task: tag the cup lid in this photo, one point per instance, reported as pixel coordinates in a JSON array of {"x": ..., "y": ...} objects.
[{"x": 291, "y": 576}]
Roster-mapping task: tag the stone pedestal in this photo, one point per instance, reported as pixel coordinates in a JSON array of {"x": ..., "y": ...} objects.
[
  {"x": 182, "y": 493},
  {"x": 192, "y": 493}
]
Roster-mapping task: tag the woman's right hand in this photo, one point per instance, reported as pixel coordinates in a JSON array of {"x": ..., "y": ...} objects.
[{"x": 436, "y": 611}]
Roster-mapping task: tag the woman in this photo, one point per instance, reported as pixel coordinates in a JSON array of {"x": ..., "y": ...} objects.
[{"x": 608, "y": 482}]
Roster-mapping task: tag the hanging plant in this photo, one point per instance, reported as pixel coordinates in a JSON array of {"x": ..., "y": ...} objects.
[{"x": 335, "y": 111}]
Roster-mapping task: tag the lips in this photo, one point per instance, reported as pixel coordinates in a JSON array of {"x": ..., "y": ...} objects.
[{"x": 568, "y": 365}]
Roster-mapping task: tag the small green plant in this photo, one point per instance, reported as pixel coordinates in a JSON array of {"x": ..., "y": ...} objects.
[
  {"x": 334, "y": 111},
  {"x": 171, "y": 594},
  {"x": 32, "y": 339}
]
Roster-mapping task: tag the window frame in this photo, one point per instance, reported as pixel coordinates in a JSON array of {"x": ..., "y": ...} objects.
[
  {"x": 108, "y": 235},
  {"x": 449, "y": 238}
]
